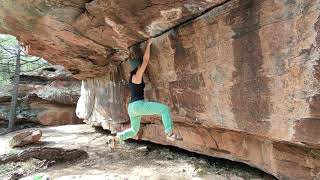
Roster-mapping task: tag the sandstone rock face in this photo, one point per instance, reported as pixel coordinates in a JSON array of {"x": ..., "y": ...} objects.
[
  {"x": 50, "y": 114},
  {"x": 47, "y": 96},
  {"x": 90, "y": 34},
  {"x": 242, "y": 79},
  {"x": 103, "y": 101},
  {"x": 242, "y": 84},
  {"x": 52, "y": 83},
  {"x": 24, "y": 138}
]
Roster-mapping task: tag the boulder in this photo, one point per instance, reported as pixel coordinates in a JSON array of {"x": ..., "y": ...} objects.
[
  {"x": 24, "y": 138},
  {"x": 241, "y": 83},
  {"x": 58, "y": 116},
  {"x": 92, "y": 34},
  {"x": 241, "y": 77},
  {"x": 47, "y": 96}
]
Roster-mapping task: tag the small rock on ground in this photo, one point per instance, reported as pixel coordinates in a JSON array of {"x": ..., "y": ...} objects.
[{"x": 24, "y": 138}]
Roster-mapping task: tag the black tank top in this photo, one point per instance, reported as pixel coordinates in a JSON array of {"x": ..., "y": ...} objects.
[{"x": 137, "y": 90}]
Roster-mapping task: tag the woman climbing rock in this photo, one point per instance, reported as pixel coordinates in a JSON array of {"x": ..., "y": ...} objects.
[{"x": 138, "y": 107}]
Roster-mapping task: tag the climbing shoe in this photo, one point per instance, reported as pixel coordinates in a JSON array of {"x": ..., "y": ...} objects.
[
  {"x": 174, "y": 137},
  {"x": 113, "y": 141}
]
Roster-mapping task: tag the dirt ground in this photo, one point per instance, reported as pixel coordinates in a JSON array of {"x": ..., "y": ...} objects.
[{"x": 130, "y": 160}]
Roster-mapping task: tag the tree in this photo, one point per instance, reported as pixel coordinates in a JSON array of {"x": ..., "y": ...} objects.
[{"x": 14, "y": 59}]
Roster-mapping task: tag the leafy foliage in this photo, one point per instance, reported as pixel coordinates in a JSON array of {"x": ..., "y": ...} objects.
[{"x": 9, "y": 47}]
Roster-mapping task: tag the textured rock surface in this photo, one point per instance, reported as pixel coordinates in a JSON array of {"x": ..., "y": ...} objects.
[
  {"x": 103, "y": 101},
  {"x": 47, "y": 96},
  {"x": 242, "y": 80},
  {"x": 242, "y": 84},
  {"x": 90, "y": 34},
  {"x": 24, "y": 138}
]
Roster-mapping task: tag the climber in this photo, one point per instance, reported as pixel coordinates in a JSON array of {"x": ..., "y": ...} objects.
[{"x": 138, "y": 106}]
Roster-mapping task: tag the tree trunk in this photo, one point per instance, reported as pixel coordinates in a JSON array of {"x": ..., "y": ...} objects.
[{"x": 14, "y": 96}]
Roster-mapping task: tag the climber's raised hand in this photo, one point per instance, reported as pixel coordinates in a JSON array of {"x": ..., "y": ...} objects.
[
  {"x": 137, "y": 78},
  {"x": 149, "y": 42}
]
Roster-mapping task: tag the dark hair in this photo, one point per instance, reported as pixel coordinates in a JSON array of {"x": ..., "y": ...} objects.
[
  {"x": 134, "y": 71},
  {"x": 132, "y": 54}
]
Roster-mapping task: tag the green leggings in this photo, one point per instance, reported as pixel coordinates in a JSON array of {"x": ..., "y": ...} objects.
[{"x": 139, "y": 108}]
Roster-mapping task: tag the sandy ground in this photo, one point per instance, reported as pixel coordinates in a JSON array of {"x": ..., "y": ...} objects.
[{"x": 130, "y": 160}]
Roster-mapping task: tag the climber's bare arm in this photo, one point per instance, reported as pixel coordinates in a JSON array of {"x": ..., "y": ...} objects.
[{"x": 137, "y": 78}]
